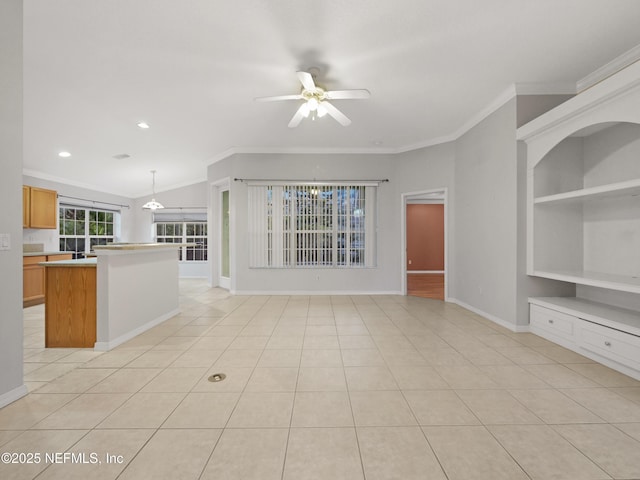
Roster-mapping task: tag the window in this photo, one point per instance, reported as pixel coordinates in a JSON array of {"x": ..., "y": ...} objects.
[
  {"x": 192, "y": 233},
  {"x": 313, "y": 225},
  {"x": 82, "y": 228}
]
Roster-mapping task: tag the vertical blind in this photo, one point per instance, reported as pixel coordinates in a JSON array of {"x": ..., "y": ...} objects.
[{"x": 311, "y": 225}]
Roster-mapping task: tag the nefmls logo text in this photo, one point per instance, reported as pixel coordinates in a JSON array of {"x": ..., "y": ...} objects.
[{"x": 70, "y": 457}]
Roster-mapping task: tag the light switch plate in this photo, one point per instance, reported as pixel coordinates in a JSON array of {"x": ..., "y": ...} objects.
[{"x": 5, "y": 241}]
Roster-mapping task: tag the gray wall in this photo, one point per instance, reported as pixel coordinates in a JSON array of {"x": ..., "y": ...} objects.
[
  {"x": 50, "y": 237},
  {"x": 424, "y": 169},
  {"x": 486, "y": 215},
  {"x": 185, "y": 197},
  {"x": 383, "y": 278},
  {"x": 430, "y": 168},
  {"x": 11, "y": 327},
  {"x": 532, "y": 106}
]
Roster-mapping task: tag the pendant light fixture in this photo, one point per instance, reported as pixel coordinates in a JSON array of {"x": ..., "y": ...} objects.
[{"x": 152, "y": 204}]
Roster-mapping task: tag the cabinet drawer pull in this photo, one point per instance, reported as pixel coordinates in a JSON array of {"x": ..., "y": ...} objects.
[
  {"x": 550, "y": 321},
  {"x": 607, "y": 343}
]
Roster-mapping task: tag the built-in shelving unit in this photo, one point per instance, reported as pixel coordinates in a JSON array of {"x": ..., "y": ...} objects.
[
  {"x": 619, "y": 189},
  {"x": 583, "y": 219}
]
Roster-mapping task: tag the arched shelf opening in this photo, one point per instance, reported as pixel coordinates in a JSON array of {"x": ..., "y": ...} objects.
[
  {"x": 586, "y": 208},
  {"x": 599, "y": 159}
]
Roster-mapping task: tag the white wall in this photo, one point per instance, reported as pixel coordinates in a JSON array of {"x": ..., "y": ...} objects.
[
  {"x": 192, "y": 198},
  {"x": 422, "y": 169},
  {"x": 489, "y": 275},
  {"x": 50, "y": 237},
  {"x": 135, "y": 222},
  {"x": 11, "y": 326},
  {"x": 486, "y": 215},
  {"x": 383, "y": 278},
  {"x": 430, "y": 168}
]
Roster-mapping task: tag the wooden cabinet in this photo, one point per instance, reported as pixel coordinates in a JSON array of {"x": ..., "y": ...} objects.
[
  {"x": 39, "y": 207},
  {"x": 33, "y": 280},
  {"x": 26, "y": 205},
  {"x": 70, "y": 311},
  {"x": 33, "y": 277}
]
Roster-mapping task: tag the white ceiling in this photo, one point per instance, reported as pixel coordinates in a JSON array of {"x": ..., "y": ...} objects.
[{"x": 93, "y": 69}]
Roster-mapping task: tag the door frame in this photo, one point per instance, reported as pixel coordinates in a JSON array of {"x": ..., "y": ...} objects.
[
  {"x": 215, "y": 235},
  {"x": 420, "y": 195}
]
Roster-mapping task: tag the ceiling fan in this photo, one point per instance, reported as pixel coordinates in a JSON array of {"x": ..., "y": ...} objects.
[{"x": 316, "y": 101}]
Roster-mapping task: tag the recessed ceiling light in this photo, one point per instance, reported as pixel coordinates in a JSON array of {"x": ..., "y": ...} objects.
[
  {"x": 143, "y": 125},
  {"x": 64, "y": 154}
]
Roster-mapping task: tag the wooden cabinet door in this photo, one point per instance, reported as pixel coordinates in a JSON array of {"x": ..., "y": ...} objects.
[
  {"x": 26, "y": 205},
  {"x": 33, "y": 281},
  {"x": 43, "y": 208}
]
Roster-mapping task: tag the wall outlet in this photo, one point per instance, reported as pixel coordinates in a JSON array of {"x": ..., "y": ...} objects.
[
  {"x": 5, "y": 241},
  {"x": 409, "y": 262}
]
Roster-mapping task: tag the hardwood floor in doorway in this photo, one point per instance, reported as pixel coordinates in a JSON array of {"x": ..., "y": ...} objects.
[{"x": 426, "y": 285}]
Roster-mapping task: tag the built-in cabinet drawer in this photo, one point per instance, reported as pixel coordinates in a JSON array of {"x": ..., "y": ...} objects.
[
  {"x": 555, "y": 323},
  {"x": 603, "y": 342},
  {"x": 619, "y": 346}
]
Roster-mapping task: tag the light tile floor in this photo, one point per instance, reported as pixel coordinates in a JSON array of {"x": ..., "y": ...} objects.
[{"x": 341, "y": 387}]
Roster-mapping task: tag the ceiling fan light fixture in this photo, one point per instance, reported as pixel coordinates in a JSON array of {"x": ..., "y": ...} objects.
[
  {"x": 312, "y": 103},
  {"x": 152, "y": 204},
  {"x": 317, "y": 101}
]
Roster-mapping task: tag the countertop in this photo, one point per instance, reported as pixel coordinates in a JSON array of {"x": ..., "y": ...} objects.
[
  {"x": 80, "y": 262},
  {"x": 137, "y": 246},
  {"x": 40, "y": 254}
]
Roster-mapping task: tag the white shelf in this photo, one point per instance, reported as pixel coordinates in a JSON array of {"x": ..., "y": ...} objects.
[
  {"x": 620, "y": 189},
  {"x": 620, "y": 283},
  {"x": 621, "y": 319}
]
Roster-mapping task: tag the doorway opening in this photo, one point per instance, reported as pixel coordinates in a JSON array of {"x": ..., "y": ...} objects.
[
  {"x": 424, "y": 272},
  {"x": 220, "y": 235}
]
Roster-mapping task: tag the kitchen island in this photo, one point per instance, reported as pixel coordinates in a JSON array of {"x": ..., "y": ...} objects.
[{"x": 135, "y": 289}]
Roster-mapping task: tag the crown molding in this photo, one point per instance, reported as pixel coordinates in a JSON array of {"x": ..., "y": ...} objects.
[
  {"x": 614, "y": 66},
  {"x": 427, "y": 143},
  {"x": 66, "y": 181},
  {"x": 174, "y": 186},
  {"x": 301, "y": 151},
  {"x": 509, "y": 93},
  {"x": 499, "y": 101},
  {"x": 556, "y": 88}
]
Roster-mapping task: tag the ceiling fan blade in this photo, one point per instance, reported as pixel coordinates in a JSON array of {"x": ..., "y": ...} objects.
[
  {"x": 348, "y": 94},
  {"x": 307, "y": 81},
  {"x": 298, "y": 116},
  {"x": 340, "y": 117},
  {"x": 278, "y": 98}
]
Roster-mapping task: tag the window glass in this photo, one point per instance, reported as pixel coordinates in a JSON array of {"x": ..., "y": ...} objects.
[
  {"x": 192, "y": 234},
  {"x": 81, "y": 228}
]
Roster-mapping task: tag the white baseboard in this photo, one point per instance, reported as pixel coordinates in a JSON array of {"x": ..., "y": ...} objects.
[
  {"x": 13, "y": 395},
  {"x": 312, "y": 292},
  {"x": 106, "y": 346},
  {"x": 493, "y": 318}
]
